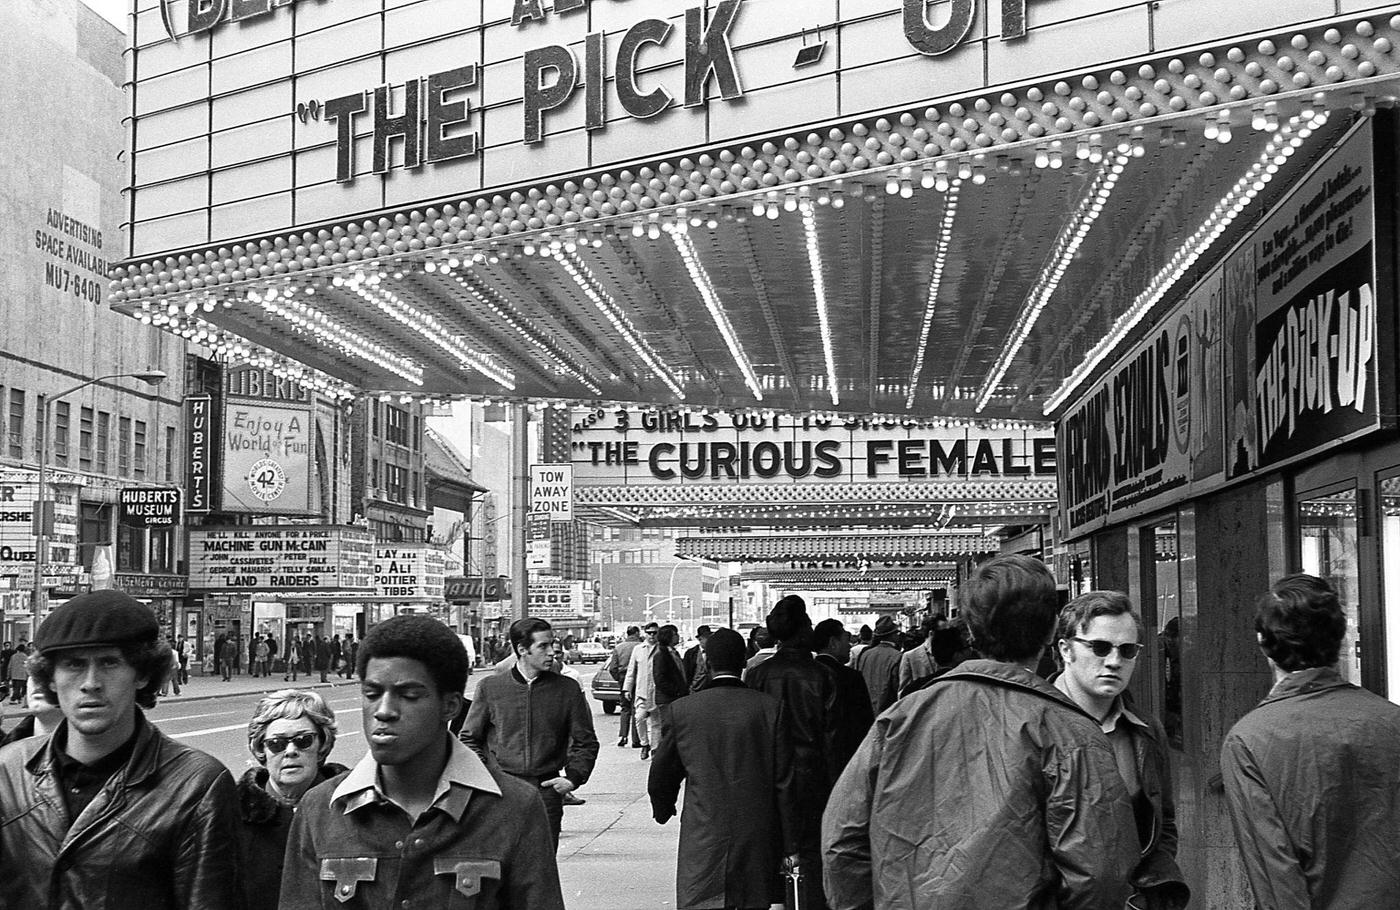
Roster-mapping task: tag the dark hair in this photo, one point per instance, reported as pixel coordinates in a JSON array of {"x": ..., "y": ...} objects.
[
  {"x": 867, "y": 634},
  {"x": 1011, "y": 607},
  {"x": 152, "y": 659},
  {"x": 947, "y": 642},
  {"x": 1089, "y": 606},
  {"x": 634, "y": 630},
  {"x": 825, "y": 631},
  {"x": 419, "y": 638},
  {"x": 788, "y": 620},
  {"x": 702, "y": 632},
  {"x": 1300, "y": 623},
  {"x": 522, "y": 631},
  {"x": 668, "y": 635},
  {"x": 724, "y": 650}
]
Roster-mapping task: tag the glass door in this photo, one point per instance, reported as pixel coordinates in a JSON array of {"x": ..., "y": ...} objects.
[
  {"x": 1389, "y": 489},
  {"x": 1327, "y": 535}
]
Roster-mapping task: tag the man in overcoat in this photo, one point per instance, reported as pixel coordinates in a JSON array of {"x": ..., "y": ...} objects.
[
  {"x": 1312, "y": 774},
  {"x": 739, "y": 825}
]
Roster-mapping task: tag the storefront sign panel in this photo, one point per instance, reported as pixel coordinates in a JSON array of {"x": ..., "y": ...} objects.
[
  {"x": 284, "y": 558},
  {"x": 1301, "y": 299},
  {"x": 1150, "y": 430},
  {"x": 149, "y": 507},
  {"x": 632, "y": 446},
  {"x": 18, "y": 492},
  {"x": 472, "y": 96},
  {"x": 557, "y": 599},
  {"x": 266, "y": 458},
  {"x": 151, "y": 585},
  {"x": 409, "y": 573}
]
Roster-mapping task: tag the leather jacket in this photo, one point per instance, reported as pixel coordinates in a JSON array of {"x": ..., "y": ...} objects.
[{"x": 162, "y": 834}]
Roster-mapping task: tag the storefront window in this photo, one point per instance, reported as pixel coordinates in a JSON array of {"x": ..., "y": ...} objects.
[
  {"x": 1327, "y": 538},
  {"x": 1167, "y": 594},
  {"x": 1390, "y": 577}
]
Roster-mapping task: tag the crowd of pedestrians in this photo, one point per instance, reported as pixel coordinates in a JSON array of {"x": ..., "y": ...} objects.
[{"x": 956, "y": 773}]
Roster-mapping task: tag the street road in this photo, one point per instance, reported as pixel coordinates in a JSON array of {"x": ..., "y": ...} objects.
[{"x": 612, "y": 856}]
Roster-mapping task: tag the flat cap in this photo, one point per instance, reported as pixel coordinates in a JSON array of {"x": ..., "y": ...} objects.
[{"x": 97, "y": 619}]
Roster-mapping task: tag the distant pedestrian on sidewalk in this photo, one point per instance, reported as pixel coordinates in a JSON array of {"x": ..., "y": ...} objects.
[
  {"x": 292, "y": 657},
  {"x": 741, "y": 813},
  {"x": 640, "y": 688},
  {"x": 617, "y": 666},
  {"x": 230, "y": 654},
  {"x": 260, "y": 657},
  {"x": 420, "y": 820},
  {"x": 323, "y": 655},
  {"x": 19, "y": 674},
  {"x": 533, "y": 721}
]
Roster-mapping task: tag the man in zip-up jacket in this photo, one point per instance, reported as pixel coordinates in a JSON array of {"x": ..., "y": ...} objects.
[{"x": 531, "y": 721}]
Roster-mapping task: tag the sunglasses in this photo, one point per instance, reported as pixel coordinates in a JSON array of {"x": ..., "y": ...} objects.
[
  {"x": 278, "y": 744},
  {"x": 1103, "y": 648}
]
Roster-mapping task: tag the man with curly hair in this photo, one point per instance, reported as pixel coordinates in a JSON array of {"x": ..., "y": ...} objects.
[
  {"x": 1312, "y": 774},
  {"x": 108, "y": 812},
  {"x": 420, "y": 821}
]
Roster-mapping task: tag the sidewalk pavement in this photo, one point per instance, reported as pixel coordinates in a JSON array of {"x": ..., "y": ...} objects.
[
  {"x": 612, "y": 855},
  {"x": 205, "y": 687}
]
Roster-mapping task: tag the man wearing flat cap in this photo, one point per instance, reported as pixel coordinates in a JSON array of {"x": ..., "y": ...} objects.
[{"x": 109, "y": 812}]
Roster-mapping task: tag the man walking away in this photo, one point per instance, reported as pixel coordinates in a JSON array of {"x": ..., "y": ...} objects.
[
  {"x": 1312, "y": 774},
  {"x": 879, "y": 664},
  {"x": 1099, "y": 641},
  {"x": 1039, "y": 819},
  {"x": 108, "y": 813},
  {"x": 741, "y": 803},
  {"x": 531, "y": 722},
  {"x": 852, "y": 714},
  {"x": 617, "y": 668},
  {"x": 420, "y": 821},
  {"x": 668, "y": 682},
  {"x": 807, "y": 691},
  {"x": 323, "y": 655}
]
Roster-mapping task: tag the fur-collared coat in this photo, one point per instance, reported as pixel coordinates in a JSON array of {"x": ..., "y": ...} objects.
[{"x": 266, "y": 822}]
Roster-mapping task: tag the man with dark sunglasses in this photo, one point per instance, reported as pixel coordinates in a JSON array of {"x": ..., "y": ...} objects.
[{"x": 1099, "y": 642}]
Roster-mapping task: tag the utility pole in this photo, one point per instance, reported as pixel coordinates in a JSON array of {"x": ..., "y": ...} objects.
[{"x": 519, "y": 509}]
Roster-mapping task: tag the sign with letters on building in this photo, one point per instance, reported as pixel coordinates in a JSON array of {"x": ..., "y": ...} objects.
[
  {"x": 297, "y": 558},
  {"x": 1149, "y": 430},
  {"x": 267, "y": 458},
  {"x": 1301, "y": 318},
  {"x": 149, "y": 507},
  {"x": 634, "y": 446}
]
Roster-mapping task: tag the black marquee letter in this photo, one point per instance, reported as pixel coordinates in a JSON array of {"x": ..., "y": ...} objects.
[
  {"x": 709, "y": 53},
  {"x": 648, "y": 31},
  {"x": 343, "y": 111},
  {"x": 409, "y": 125},
  {"x": 540, "y": 98},
  {"x": 935, "y": 41},
  {"x": 442, "y": 114}
]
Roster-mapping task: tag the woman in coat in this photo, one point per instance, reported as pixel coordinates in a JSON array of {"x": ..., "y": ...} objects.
[{"x": 291, "y": 734}]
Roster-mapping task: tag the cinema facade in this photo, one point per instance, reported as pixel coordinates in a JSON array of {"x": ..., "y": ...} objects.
[{"x": 1164, "y": 228}]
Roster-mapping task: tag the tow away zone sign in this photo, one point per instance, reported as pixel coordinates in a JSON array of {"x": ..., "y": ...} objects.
[{"x": 552, "y": 491}]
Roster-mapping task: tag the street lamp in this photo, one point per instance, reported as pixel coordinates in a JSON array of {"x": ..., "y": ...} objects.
[{"x": 41, "y": 514}]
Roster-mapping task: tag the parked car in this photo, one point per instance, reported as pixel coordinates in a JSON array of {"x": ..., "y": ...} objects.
[
  {"x": 606, "y": 690},
  {"x": 590, "y": 652}
]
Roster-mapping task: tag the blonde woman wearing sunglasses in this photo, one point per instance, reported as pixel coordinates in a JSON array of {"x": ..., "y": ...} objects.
[{"x": 291, "y": 735}]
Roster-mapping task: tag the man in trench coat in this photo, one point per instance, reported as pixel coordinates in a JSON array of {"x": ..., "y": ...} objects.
[{"x": 738, "y": 829}]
